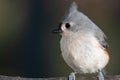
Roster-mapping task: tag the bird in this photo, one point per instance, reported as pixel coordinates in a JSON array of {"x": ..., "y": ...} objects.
[{"x": 83, "y": 44}]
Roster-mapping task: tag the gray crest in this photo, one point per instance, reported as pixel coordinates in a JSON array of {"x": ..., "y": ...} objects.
[{"x": 72, "y": 9}]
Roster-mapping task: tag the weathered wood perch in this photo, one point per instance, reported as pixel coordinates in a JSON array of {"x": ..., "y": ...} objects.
[{"x": 114, "y": 77}]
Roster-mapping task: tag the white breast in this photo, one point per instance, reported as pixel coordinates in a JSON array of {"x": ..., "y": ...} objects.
[{"x": 83, "y": 53}]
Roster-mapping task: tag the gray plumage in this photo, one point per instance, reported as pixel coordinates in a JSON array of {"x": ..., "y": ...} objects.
[
  {"x": 84, "y": 24},
  {"x": 82, "y": 44}
]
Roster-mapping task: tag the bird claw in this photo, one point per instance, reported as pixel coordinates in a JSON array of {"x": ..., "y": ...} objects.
[
  {"x": 100, "y": 75},
  {"x": 71, "y": 76}
]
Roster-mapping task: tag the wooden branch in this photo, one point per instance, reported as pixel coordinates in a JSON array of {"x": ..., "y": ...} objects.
[{"x": 114, "y": 77}]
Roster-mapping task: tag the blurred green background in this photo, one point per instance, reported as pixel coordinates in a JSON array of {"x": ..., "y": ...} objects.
[{"x": 29, "y": 49}]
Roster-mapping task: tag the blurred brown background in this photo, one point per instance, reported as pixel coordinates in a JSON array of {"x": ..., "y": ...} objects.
[{"x": 29, "y": 49}]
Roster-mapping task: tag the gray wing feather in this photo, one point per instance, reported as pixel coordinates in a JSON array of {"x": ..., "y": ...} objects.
[{"x": 101, "y": 38}]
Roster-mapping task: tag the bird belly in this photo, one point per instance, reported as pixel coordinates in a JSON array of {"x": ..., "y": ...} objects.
[{"x": 84, "y": 55}]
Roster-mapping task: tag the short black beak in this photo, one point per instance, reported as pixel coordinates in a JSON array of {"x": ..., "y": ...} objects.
[{"x": 57, "y": 30}]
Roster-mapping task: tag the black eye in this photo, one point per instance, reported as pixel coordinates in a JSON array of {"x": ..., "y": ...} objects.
[{"x": 67, "y": 25}]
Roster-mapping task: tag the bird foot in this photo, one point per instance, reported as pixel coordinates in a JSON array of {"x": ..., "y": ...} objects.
[
  {"x": 100, "y": 75},
  {"x": 71, "y": 76}
]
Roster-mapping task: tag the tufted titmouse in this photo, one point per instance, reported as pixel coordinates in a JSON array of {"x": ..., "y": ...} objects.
[{"x": 83, "y": 44}]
